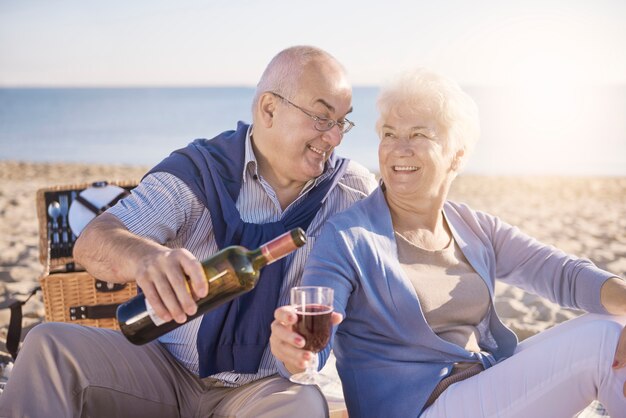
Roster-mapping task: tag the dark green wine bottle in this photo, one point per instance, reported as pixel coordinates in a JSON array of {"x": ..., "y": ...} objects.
[{"x": 230, "y": 273}]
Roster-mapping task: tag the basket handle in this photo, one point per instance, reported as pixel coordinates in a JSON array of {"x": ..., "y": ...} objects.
[{"x": 14, "y": 334}]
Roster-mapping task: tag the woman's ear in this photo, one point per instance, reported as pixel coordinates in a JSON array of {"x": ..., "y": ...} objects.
[
  {"x": 266, "y": 108},
  {"x": 457, "y": 160}
]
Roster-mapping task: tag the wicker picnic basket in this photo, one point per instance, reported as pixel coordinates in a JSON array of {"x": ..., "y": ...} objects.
[{"x": 70, "y": 294}]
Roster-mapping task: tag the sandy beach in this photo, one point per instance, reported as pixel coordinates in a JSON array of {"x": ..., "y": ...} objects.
[{"x": 582, "y": 216}]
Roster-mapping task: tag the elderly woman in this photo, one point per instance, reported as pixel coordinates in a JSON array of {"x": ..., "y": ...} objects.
[{"x": 414, "y": 277}]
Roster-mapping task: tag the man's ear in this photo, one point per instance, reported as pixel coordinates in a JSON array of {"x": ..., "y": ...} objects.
[{"x": 266, "y": 108}]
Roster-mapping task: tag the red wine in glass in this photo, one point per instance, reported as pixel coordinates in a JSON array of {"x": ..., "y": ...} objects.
[
  {"x": 314, "y": 308},
  {"x": 314, "y": 324}
]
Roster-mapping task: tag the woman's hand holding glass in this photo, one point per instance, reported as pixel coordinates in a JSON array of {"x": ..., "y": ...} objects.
[{"x": 291, "y": 348}]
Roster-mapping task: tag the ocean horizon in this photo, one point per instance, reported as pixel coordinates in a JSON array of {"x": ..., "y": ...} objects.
[{"x": 579, "y": 131}]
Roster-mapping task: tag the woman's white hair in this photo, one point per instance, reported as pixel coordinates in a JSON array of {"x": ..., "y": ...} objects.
[
  {"x": 282, "y": 74},
  {"x": 422, "y": 90}
]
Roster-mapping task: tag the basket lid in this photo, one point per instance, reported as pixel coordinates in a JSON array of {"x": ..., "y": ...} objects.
[
  {"x": 64, "y": 211},
  {"x": 90, "y": 203}
]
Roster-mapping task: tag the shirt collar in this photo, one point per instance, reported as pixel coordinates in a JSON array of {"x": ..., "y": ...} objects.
[{"x": 250, "y": 158}]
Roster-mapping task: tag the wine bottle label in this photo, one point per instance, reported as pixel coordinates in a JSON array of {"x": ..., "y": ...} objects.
[
  {"x": 157, "y": 321},
  {"x": 278, "y": 247}
]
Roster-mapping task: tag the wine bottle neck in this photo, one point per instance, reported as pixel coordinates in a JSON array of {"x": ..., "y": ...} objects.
[
  {"x": 258, "y": 259},
  {"x": 278, "y": 248}
]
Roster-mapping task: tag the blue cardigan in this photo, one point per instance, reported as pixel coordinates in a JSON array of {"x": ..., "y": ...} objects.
[{"x": 388, "y": 357}]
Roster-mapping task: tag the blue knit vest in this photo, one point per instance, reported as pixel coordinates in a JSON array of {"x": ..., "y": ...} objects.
[{"x": 234, "y": 336}]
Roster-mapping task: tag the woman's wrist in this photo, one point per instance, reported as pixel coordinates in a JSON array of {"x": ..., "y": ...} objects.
[{"x": 613, "y": 295}]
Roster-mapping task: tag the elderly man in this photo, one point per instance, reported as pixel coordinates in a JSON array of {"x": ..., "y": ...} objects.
[{"x": 279, "y": 169}]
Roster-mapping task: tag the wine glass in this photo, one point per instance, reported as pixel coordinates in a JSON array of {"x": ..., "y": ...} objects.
[{"x": 314, "y": 308}]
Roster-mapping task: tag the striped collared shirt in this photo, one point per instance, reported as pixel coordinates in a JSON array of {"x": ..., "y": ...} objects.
[{"x": 165, "y": 210}]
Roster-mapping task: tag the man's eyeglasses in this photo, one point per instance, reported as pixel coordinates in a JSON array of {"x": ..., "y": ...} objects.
[{"x": 321, "y": 124}]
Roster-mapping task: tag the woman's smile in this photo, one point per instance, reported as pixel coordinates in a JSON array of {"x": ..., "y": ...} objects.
[{"x": 405, "y": 168}]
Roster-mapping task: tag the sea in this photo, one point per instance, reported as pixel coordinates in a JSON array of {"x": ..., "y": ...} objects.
[{"x": 525, "y": 131}]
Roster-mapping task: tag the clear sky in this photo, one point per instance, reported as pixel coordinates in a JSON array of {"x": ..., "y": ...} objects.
[
  {"x": 543, "y": 57},
  {"x": 228, "y": 42}
]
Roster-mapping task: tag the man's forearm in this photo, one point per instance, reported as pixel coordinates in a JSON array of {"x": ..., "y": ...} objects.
[{"x": 108, "y": 251}]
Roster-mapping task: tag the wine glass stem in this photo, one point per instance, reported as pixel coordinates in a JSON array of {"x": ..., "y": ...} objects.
[{"x": 311, "y": 367}]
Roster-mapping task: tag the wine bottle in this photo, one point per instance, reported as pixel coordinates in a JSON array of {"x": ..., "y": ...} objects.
[{"x": 231, "y": 272}]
